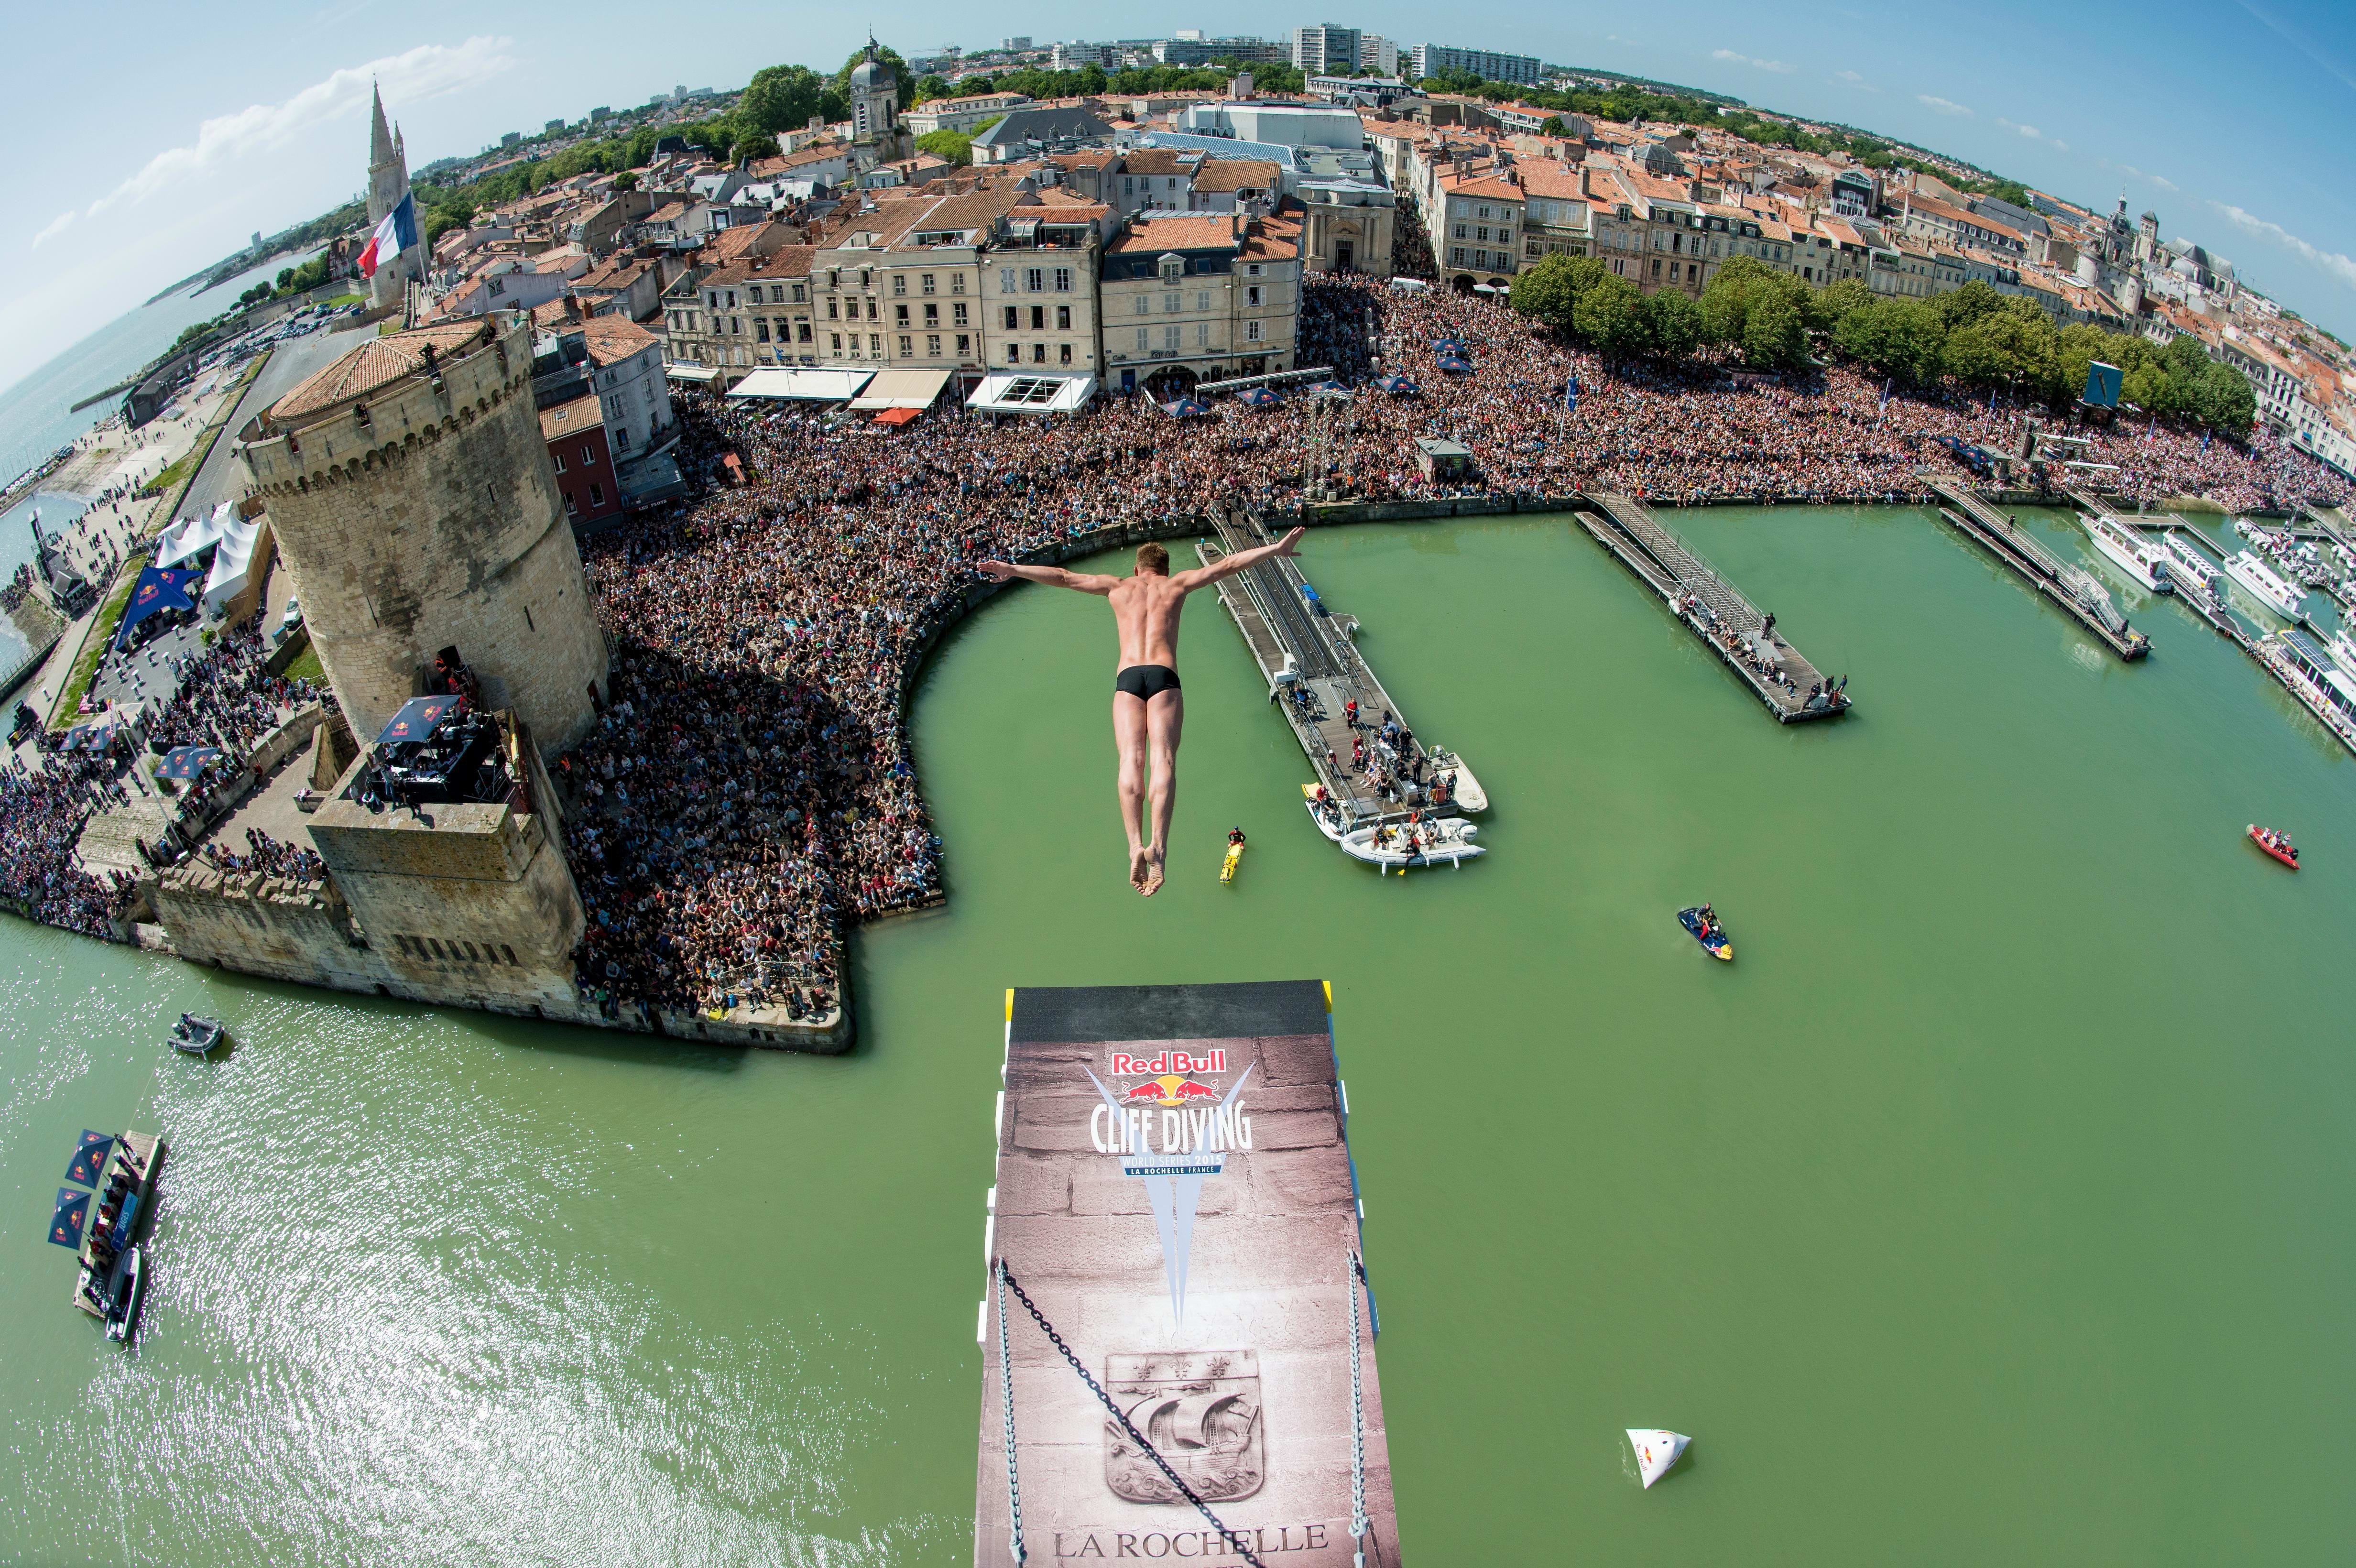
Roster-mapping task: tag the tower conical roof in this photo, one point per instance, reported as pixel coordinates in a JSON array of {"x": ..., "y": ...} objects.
[{"x": 380, "y": 135}]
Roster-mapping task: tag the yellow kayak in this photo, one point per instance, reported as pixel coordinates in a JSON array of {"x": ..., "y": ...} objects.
[{"x": 1235, "y": 858}]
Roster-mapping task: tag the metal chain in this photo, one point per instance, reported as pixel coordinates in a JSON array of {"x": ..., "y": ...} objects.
[
  {"x": 1358, "y": 1419},
  {"x": 1006, "y": 1403},
  {"x": 1229, "y": 1536}
]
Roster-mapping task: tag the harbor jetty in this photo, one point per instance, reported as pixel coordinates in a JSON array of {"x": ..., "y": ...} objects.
[
  {"x": 1307, "y": 655},
  {"x": 1177, "y": 1324},
  {"x": 1792, "y": 689},
  {"x": 2077, "y": 591}
]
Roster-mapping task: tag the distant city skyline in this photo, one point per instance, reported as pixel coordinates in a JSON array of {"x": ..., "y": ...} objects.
[{"x": 203, "y": 138}]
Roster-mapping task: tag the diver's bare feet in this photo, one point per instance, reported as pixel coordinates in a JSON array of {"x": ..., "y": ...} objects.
[
  {"x": 1137, "y": 865},
  {"x": 1154, "y": 872}
]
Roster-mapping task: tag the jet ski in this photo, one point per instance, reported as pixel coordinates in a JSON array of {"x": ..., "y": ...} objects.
[
  {"x": 2274, "y": 844},
  {"x": 1709, "y": 931},
  {"x": 1656, "y": 1452}
]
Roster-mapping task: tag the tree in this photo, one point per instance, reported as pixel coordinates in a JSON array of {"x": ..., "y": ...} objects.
[
  {"x": 932, "y": 87},
  {"x": 1674, "y": 323},
  {"x": 1773, "y": 337},
  {"x": 626, "y": 180},
  {"x": 1968, "y": 303},
  {"x": 1898, "y": 338},
  {"x": 1611, "y": 315},
  {"x": 752, "y": 144},
  {"x": 1823, "y": 309},
  {"x": 1553, "y": 127},
  {"x": 954, "y": 145},
  {"x": 781, "y": 98},
  {"x": 2223, "y": 401},
  {"x": 1548, "y": 291}
]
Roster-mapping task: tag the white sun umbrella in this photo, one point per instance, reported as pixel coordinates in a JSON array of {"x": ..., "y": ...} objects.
[{"x": 1657, "y": 1451}]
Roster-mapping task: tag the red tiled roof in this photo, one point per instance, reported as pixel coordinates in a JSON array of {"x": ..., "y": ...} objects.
[{"x": 380, "y": 362}]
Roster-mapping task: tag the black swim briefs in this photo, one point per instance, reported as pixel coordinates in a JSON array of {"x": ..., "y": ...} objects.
[{"x": 1146, "y": 681}]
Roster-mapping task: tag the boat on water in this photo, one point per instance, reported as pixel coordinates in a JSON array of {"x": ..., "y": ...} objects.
[
  {"x": 1397, "y": 846},
  {"x": 1235, "y": 856},
  {"x": 2343, "y": 649},
  {"x": 124, "y": 1289},
  {"x": 2128, "y": 551},
  {"x": 1465, "y": 791},
  {"x": 2264, "y": 584},
  {"x": 2274, "y": 844},
  {"x": 1708, "y": 929},
  {"x": 2189, "y": 567},
  {"x": 1323, "y": 811},
  {"x": 193, "y": 1036},
  {"x": 1656, "y": 1452},
  {"x": 121, "y": 1213}
]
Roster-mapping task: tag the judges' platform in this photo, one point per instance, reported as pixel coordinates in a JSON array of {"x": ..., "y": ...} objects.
[{"x": 1178, "y": 1333}]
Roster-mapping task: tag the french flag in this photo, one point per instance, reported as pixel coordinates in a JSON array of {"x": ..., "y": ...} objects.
[{"x": 397, "y": 233}]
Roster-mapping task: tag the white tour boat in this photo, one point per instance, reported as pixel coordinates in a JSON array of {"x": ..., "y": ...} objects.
[
  {"x": 2343, "y": 649},
  {"x": 2264, "y": 584},
  {"x": 1656, "y": 1452},
  {"x": 1396, "y": 846},
  {"x": 2129, "y": 552},
  {"x": 2190, "y": 567}
]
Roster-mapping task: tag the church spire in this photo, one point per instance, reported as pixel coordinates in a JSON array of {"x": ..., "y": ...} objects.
[{"x": 380, "y": 136}]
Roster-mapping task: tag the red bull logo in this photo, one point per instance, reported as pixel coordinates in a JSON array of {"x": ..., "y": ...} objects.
[
  {"x": 1169, "y": 1089},
  {"x": 1181, "y": 1062}
]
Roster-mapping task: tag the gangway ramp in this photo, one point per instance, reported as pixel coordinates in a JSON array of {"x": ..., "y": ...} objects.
[
  {"x": 1175, "y": 1197},
  {"x": 2077, "y": 591}
]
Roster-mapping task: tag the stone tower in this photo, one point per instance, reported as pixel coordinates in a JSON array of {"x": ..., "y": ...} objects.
[
  {"x": 411, "y": 493},
  {"x": 388, "y": 182},
  {"x": 875, "y": 107}
]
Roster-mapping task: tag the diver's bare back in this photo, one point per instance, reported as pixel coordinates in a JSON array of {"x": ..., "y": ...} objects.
[{"x": 1145, "y": 610}]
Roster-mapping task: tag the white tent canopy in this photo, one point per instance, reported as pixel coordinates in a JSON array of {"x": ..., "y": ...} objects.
[
  {"x": 773, "y": 381},
  {"x": 232, "y": 562},
  {"x": 902, "y": 389},
  {"x": 1022, "y": 392},
  {"x": 191, "y": 536}
]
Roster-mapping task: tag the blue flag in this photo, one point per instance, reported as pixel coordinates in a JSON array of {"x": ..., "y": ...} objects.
[
  {"x": 65, "y": 1225},
  {"x": 1570, "y": 396},
  {"x": 91, "y": 1158}
]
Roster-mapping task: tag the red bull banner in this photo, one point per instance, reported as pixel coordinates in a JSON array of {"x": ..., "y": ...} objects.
[{"x": 1177, "y": 1325}]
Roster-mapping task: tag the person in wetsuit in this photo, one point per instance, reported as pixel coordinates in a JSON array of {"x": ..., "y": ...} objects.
[{"x": 1148, "y": 712}]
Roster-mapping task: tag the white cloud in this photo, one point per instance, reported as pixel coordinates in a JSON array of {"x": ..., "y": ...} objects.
[
  {"x": 1854, "y": 80},
  {"x": 1731, "y": 56},
  {"x": 2161, "y": 181},
  {"x": 2332, "y": 261},
  {"x": 2034, "y": 134},
  {"x": 1943, "y": 105},
  {"x": 57, "y": 226},
  {"x": 430, "y": 70}
]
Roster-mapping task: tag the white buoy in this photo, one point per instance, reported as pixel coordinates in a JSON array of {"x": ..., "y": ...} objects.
[{"x": 1657, "y": 1451}]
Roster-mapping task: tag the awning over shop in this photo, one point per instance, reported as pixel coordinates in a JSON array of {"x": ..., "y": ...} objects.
[
  {"x": 776, "y": 381},
  {"x": 902, "y": 389},
  {"x": 1016, "y": 392},
  {"x": 701, "y": 375}
]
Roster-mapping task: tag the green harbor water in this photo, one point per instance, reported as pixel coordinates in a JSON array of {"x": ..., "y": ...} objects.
[{"x": 1994, "y": 1206}]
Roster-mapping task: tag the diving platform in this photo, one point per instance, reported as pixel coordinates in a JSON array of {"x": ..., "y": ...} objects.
[
  {"x": 2078, "y": 592},
  {"x": 1307, "y": 655},
  {"x": 1779, "y": 675},
  {"x": 1176, "y": 1323}
]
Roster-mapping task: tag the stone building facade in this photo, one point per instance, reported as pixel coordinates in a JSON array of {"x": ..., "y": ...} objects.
[{"x": 411, "y": 495}]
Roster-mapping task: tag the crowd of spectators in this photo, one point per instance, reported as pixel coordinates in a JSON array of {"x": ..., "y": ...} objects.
[
  {"x": 747, "y": 792},
  {"x": 42, "y": 810},
  {"x": 272, "y": 857},
  {"x": 228, "y": 697}
]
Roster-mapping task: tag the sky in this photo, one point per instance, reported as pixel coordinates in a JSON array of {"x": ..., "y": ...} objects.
[{"x": 143, "y": 155}]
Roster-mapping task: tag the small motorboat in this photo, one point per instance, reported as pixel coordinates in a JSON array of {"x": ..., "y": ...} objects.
[
  {"x": 1322, "y": 811},
  {"x": 1708, "y": 929},
  {"x": 2274, "y": 844},
  {"x": 1656, "y": 1452},
  {"x": 1235, "y": 856},
  {"x": 1465, "y": 791},
  {"x": 195, "y": 1036},
  {"x": 122, "y": 1303},
  {"x": 1396, "y": 846}
]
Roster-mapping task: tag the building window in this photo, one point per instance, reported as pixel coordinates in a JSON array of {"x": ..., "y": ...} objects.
[
  {"x": 964, "y": 344},
  {"x": 761, "y": 328},
  {"x": 596, "y": 495},
  {"x": 933, "y": 345},
  {"x": 1013, "y": 318},
  {"x": 1251, "y": 332},
  {"x": 1201, "y": 335},
  {"x": 1252, "y": 271},
  {"x": 866, "y": 278},
  {"x": 830, "y": 315},
  {"x": 1038, "y": 318},
  {"x": 1251, "y": 296},
  {"x": 900, "y": 315},
  {"x": 906, "y": 347},
  {"x": 932, "y": 314},
  {"x": 1173, "y": 270},
  {"x": 1170, "y": 304},
  {"x": 1062, "y": 279},
  {"x": 956, "y": 312},
  {"x": 899, "y": 282},
  {"x": 1064, "y": 352},
  {"x": 1063, "y": 318},
  {"x": 957, "y": 283},
  {"x": 1014, "y": 354},
  {"x": 802, "y": 331},
  {"x": 1465, "y": 231},
  {"x": 929, "y": 283},
  {"x": 837, "y": 336},
  {"x": 1456, "y": 255},
  {"x": 560, "y": 461},
  {"x": 875, "y": 343},
  {"x": 1038, "y": 354},
  {"x": 1143, "y": 304},
  {"x": 1142, "y": 344},
  {"x": 569, "y": 507},
  {"x": 1170, "y": 336},
  {"x": 1006, "y": 280},
  {"x": 801, "y": 292},
  {"x": 1034, "y": 279}
]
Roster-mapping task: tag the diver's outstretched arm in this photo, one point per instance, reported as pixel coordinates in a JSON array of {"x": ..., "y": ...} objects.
[
  {"x": 1052, "y": 576},
  {"x": 1241, "y": 561}
]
